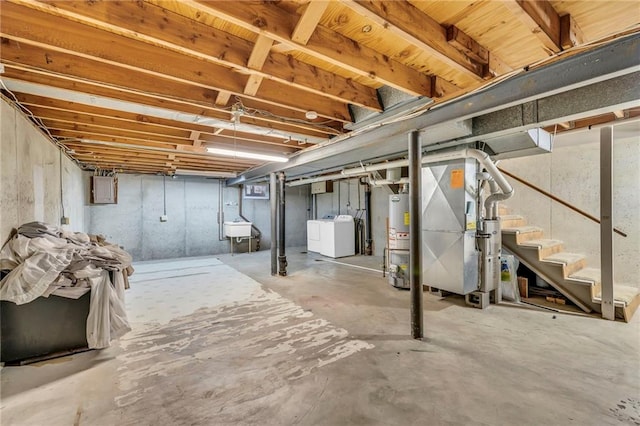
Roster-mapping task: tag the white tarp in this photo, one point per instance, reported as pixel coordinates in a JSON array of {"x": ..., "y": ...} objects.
[{"x": 44, "y": 260}]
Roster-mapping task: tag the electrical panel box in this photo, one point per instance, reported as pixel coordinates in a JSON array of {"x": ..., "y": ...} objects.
[
  {"x": 104, "y": 190},
  {"x": 322, "y": 187}
]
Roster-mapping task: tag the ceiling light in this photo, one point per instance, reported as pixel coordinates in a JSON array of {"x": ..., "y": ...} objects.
[
  {"x": 311, "y": 115},
  {"x": 250, "y": 155}
]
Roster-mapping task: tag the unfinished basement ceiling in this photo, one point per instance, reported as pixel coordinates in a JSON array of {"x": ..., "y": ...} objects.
[{"x": 147, "y": 86}]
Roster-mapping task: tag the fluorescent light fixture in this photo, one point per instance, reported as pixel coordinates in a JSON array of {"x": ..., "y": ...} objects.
[
  {"x": 251, "y": 155},
  {"x": 204, "y": 173}
]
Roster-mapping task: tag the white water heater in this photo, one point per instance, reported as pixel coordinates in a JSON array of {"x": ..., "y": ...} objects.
[{"x": 399, "y": 240}]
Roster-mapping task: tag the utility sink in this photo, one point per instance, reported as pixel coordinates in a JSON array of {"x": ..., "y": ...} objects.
[{"x": 237, "y": 229}]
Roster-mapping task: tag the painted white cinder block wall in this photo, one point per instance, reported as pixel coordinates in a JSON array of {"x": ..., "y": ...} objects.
[
  {"x": 572, "y": 173},
  {"x": 30, "y": 177}
]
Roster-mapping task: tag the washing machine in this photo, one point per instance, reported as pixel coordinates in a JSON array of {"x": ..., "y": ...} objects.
[{"x": 332, "y": 237}]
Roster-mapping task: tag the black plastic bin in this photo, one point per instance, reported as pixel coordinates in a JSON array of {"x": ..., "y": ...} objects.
[{"x": 44, "y": 327}]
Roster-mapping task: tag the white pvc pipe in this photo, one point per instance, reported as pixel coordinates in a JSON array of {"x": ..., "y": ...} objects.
[
  {"x": 380, "y": 182},
  {"x": 482, "y": 157},
  {"x": 299, "y": 182},
  {"x": 374, "y": 167}
]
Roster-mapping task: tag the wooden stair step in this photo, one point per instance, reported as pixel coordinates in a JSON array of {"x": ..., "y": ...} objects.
[
  {"x": 512, "y": 220},
  {"x": 623, "y": 295},
  {"x": 545, "y": 247},
  {"x": 521, "y": 229},
  {"x": 524, "y": 233},
  {"x": 586, "y": 275},
  {"x": 571, "y": 262},
  {"x": 564, "y": 257}
]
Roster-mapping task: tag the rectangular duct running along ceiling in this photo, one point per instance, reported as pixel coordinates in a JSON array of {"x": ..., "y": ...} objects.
[{"x": 521, "y": 144}]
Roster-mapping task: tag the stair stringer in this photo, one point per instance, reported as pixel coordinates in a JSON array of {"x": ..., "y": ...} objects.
[{"x": 578, "y": 293}]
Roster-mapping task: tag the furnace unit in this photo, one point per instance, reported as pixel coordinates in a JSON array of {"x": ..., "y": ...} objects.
[{"x": 449, "y": 199}]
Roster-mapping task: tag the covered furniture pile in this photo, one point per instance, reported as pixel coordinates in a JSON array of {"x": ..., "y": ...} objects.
[{"x": 41, "y": 260}]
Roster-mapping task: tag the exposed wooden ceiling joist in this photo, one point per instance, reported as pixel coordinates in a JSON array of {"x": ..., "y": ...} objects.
[
  {"x": 268, "y": 19},
  {"x": 170, "y": 95},
  {"x": 73, "y": 45},
  {"x": 308, "y": 21},
  {"x": 554, "y": 32},
  {"x": 162, "y": 79},
  {"x": 419, "y": 29},
  {"x": 170, "y": 32}
]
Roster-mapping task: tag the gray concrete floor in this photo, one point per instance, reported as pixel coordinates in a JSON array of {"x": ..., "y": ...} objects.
[{"x": 217, "y": 343}]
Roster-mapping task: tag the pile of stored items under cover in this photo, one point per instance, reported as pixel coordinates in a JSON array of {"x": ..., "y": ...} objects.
[{"x": 44, "y": 260}]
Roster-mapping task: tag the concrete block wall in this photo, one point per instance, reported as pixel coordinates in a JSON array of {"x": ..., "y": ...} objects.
[
  {"x": 572, "y": 172},
  {"x": 30, "y": 177},
  {"x": 192, "y": 228}
]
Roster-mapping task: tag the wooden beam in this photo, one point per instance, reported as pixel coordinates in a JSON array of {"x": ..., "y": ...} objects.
[
  {"x": 109, "y": 132},
  {"x": 108, "y": 122},
  {"x": 309, "y": 20},
  {"x": 540, "y": 18},
  {"x": 64, "y": 135},
  {"x": 267, "y": 18},
  {"x": 411, "y": 24},
  {"x": 176, "y": 33},
  {"x": 41, "y": 31},
  {"x": 70, "y": 112},
  {"x": 260, "y": 52},
  {"x": 461, "y": 41},
  {"x": 195, "y": 137},
  {"x": 173, "y": 96},
  {"x": 184, "y": 156},
  {"x": 466, "y": 44},
  {"x": 223, "y": 98},
  {"x": 256, "y": 61},
  {"x": 39, "y": 105},
  {"x": 570, "y": 34},
  {"x": 125, "y": 159}
]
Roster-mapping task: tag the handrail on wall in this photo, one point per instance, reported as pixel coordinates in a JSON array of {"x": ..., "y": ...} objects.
[{"x": 559, "y": 200}]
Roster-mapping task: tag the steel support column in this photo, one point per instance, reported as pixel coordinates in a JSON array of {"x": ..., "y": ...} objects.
[
  {"x": 606, "y": 221},
  {"x": 282, "y": 258},
  {"x": 415, "y": 246},
  {"x": 368, "y": 245},
  {"x": 273, "y": 191}
]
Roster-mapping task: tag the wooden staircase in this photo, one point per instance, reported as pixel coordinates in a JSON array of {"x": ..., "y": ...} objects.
[{"x": 566, "y": 272}]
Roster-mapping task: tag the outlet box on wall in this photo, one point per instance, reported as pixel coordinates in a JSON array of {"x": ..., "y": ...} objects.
[
  {"x": 164, "y": 218},
  {"x": 65, "y": 220}
]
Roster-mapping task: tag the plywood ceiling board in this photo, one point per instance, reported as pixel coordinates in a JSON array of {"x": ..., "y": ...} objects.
[
  {"x": 495, "y": 27},
  {"x": 344, "y": 21},
  {"x": 596, "y": 23},
  {"x": 446, "y": 12}
]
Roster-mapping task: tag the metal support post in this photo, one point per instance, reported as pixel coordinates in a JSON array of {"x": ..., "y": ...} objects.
[
  {"x": 415, "y": 246},
  {"x": 274, "y": 222},
  {"x": 606, "y": 221},
  {"x": 282, "y": 258},
  {"x": 368, "y": 250}
]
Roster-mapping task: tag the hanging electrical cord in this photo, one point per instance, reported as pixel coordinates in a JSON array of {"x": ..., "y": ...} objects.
[
  {"x": 38, "y": 123},
  {"x": 164, "y": 195},
  {"x": 61, "y": 186},
  {"x": 252, "y": 112}
]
